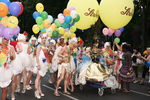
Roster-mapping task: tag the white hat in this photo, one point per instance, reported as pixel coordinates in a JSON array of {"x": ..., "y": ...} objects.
[
  {"x": 53, "y": 41},
  {"x": 106, "y": 44},
  {"x": 21, "y": 37},
  {"x": 33, "y": 38}
]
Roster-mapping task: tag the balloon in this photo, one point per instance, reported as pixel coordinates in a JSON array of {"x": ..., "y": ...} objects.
[
  {"x": 35, "y": 29},
  {"x": 55, "y": 34},
  {"x": 72, "y": 8},
  {"x": 47, "y": 23},
  {"x": 50, "y": 35},
  {"x": 66, "y": 35},
  {"x": 8, "y": 33},
  {"x": 88, "y": 12},
  {"x": 105, "y": 31},
  {"x": 118, "y": 33},
  {"x": 50, "y": 18},
  {"x": 65, "y": 25},
  {"x": 60, "y": 15},
  {"x": 43, "y": 30},
  {"x": 68, "y": 19},
  {"x": 0, "y": 18},
  {"x": 39, "y": 20},
  {"x": 77, "y": 18},
  {"x": 57, "y": 23},
  {"x": 14, "y": 8},
  {"x": 148, "y": 63},
  {"x": 72, "y": 35},
  {"x": 61, "y": 30},
  {"x": 41, "y": 26},
  {"x": 7, "y": 2},
  {"x": 121, "y": 29},
  {"x": 16, "y": 30},
  {"x": 44, "y": 15},
  {"x": 12, "y": 22},
  {"x": 54, "y": 27},
  {"x": 111, "y": 30},
  {"x": 21, "y": 8},
  {"x": 61, "y": 19},
  {"x": 72, "y": 23},
  {"x": 110, "y": 34},
  {"x": 3, "y": 10},
  {"x": 117, "y": 40},
  {"x": 66, "y": 12},
  {"x": 1, "y": 30},
  {"x": 72, "y": 29},
  {"x": 121, "y": 14},
  {"x": 4, "y": 21},
  {"x": 49, "y": 30},
  {"x": 39, "y": 7},
  {"x": 67, "y": 30},
  {"x": 74, "y": 14},
  {"x": 36, "y": 14}
]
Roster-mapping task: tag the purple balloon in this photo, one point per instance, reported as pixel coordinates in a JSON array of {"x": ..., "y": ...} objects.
[
  {"x": 1, "y": 30},
  {"x": 109, "y": 34},
  {"x": 16, "y": 30},
  {"x": 14, "y": 8},
  {"x": 8, "y": 33},
  {"x": 118, "y": 33},
  {"x": 67, "y": 30},
  {"x": 71, "y": 8}
]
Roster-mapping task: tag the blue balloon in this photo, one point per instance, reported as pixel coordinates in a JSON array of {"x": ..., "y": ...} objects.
[
  {"x": 65, "y": 25},
  {"x": 36, "y": 14},
  {"x": 50, "y": 18},
  {"x": 72, "y": 23},
  {"x": 68, "y": 19},
  {"x": 14, "y": 8},
  {"x": 7, "y": 2},
  {"x": 121, "y": 29},
  {"x": 0, "y": 18},
  {"x": 148, "y": 63},
  {"x": 43, "y": 30}
]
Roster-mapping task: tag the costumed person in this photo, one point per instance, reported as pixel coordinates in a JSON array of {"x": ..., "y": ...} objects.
[
  {"x": 22, "y": 47},
  {"x": 64, "y": 68},
  {"x": 41, "y": 65},
  {"x": 7, "y": 55},
  {"x": 32, "y": 57},
  {"x": 126, "y": 74},
  {"x": 146, "y": 60},
  {"x": 51, "y": 51},
  {"x": 55, "y": 59}
]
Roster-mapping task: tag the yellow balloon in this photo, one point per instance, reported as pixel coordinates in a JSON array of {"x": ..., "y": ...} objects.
[
  {"x": 4, "y": 21},
  {"x": 39, "y": 7},
  {"x": 35, "y": 29},
  {"x": 12, "y": 22},
  {"x": 54, "y": 27},
  {"x": 50, "y": 35},
  {"x": 41, "y": 26},
  {"x": 116, "y": 14},
  {"x": 88, "y": 11},
  {"x": 66, "y": 35},
  {"x": 62, "y": 31},
  {"x": 47, "y": 23}
]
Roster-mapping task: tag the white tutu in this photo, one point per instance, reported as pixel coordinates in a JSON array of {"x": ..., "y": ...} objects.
[
  {"x": 43, "y": 65},
  {"x": 16, "y": 66},
  {"x": 32, "y": 63},
  {"x": 55, "y": 61},
  {"x": 5, "y": 76}
]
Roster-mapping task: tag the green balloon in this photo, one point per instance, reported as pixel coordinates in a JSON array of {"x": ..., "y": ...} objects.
[
  {"x": 55, "y": 34},
  {"x": 41, "y": 26},
  {"x": 39, "y": 20},
  {"x": 57, "y": 23},
  {"x": 117, "y": 40},
  {"x": 77, "y": 18},
  {"x": 73, "y": 29},
  {"x": 0, "y": 18},
  {"x": 57, "y": 30},
  {"x": 44, "y": 15}
]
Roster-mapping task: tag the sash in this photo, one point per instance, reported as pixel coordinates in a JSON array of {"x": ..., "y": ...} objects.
[
  {"x": 118, "y": 63},
  {"x": 45, "y": 53},
  {"x": 3, "y": 57}
]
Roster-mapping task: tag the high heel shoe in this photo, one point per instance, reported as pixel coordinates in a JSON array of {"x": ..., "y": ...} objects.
[
  {"x": 37, "y": 96},
  {"x": 42, "y": 94}
]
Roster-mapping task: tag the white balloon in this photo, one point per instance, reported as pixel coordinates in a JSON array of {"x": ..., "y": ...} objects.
[
  {"x": 49, "y": 30},
  {"x": 74, "y": 14}
]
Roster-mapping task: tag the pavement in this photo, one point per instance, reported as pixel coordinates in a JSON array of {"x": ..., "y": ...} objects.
[{"x": 138, "y": 92}]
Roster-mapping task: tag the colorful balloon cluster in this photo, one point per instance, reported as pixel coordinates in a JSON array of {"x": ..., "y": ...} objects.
[
  {"x": 9, "y": 25},
  {"x": 43, "y": 20}
]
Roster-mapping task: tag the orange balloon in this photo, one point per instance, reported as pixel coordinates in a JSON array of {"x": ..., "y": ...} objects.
[
  {"x": 54, "y": 27},
  {"x": 47, "y": 23},
  {"x": 4, "y": 21},
  {"x": 66, "y": 12},
  {"x": 3, "y": 10}
]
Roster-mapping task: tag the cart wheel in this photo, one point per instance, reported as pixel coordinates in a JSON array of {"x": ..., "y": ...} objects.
[
  {"x": 113, "y": 91},
  {"x": 81, "y": 87},
  {"x": 100, "y": 91}
]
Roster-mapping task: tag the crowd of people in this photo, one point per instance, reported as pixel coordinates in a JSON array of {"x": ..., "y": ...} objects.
[{"x": 66, "y": 60}]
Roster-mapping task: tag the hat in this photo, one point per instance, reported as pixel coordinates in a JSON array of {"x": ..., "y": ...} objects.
[
  {"x": 106, "y": 44},
  {"x": 21, "y": 37},
  {"x": 53, "y": 41}
]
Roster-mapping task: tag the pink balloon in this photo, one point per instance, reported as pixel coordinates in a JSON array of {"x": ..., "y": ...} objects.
[
  {"x": 61, "y": 19},
  {"x": 110, "y": 34},
  {"x": 111, "y": 30},
  {"x": 60, "y": 15},
  {"x": 105, "y": 31}
]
